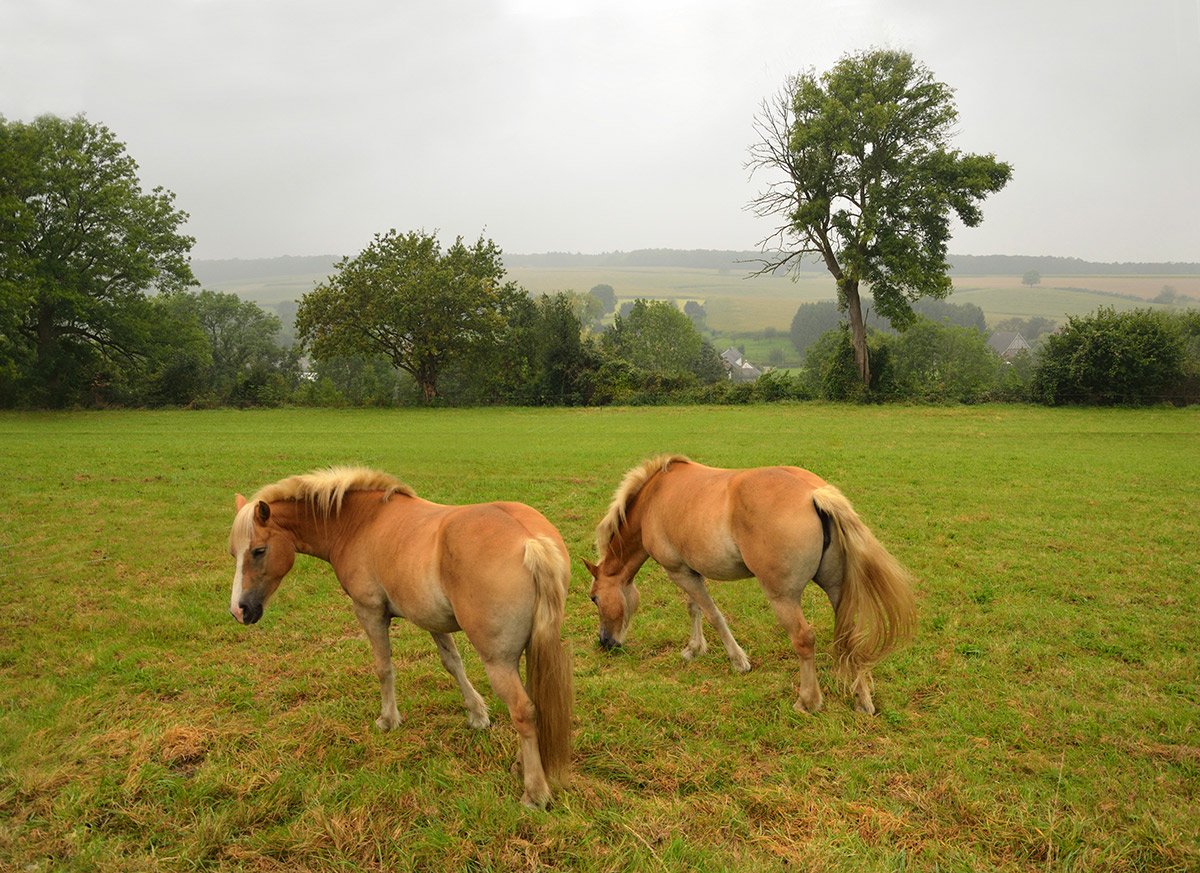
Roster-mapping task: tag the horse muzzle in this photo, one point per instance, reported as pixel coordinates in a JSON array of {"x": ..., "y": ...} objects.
[
  {"x": 251, "y": 611},
  {"x": 608, "y": 642}
]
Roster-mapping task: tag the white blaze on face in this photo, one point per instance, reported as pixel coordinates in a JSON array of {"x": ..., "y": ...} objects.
[{"x": 236, "y": 595}]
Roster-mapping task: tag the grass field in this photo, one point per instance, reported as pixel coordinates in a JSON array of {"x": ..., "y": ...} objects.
[
  {"x": 737, "y": 303},
  {"x": 1046, "y": 717}
]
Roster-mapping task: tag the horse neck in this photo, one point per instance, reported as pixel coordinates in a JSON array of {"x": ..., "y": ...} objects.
[
  {"x": 312, "y": 533},
  {"x": 626, "y": 553}
]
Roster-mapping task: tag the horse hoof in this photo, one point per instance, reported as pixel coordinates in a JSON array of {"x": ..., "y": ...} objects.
[
  {"x": 741, "y": 665},
  {"x": 864, "y": 706},
  {"x": 530, "y": 803},
  {"x": 807, "y": 708},
  {"x": 387, "y": 724},
  {"x": 479, "y": 722}
]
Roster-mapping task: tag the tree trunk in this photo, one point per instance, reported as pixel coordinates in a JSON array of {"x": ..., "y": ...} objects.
[
  {"x": 858, "y": 331},
  {"x": 49, "y": 368}
]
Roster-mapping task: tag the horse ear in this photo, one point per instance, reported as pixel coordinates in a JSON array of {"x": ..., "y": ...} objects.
[
  {"x": 240, "y": 501},
  {"x": 592, "y": 568},
  {"x": 262, "y": 512}
]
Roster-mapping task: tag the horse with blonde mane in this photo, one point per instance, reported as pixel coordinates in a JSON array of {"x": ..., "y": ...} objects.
[
  {"x": 496, "y": 571},
  {"x": 785, "y": 526}
]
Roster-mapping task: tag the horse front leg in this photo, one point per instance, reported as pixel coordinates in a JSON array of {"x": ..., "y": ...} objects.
[
  {"x": 693, "y": 585},
  {"x": 376, "y": 620}
]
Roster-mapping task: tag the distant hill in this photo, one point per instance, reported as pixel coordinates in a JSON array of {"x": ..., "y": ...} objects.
[{"x": 217, "y": 272}]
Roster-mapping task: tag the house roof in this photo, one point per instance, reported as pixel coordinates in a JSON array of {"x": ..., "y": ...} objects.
[{"x": 1004, "y": 342}]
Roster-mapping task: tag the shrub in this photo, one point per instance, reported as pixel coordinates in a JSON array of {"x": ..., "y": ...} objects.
[
  {"x": 943, "y": 363},
  {"x": 1112, "y": 357}
]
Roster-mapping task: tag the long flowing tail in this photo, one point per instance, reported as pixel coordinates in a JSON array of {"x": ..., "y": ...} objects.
[
  {"x": 876, "y": 611},
  {"x": 548, "y": 669}
]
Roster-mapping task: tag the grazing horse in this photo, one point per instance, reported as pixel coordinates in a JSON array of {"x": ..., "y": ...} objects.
[
  {"x": 783, "y": 525},
  {"x": 496, "y": 571}
]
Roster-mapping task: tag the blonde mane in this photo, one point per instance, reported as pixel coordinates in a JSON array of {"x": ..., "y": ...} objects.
[
  {"x": 630, "y": 485},
  {"x": 324, "y": 490}
]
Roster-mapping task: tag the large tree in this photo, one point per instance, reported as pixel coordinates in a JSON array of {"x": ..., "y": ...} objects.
[
  {"x": 862, "y": 176},
  {"x": 404, "y": 297},
  {"x": 80, "y": 245}
]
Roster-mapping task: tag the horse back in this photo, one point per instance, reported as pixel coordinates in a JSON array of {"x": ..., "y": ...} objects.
[{"x": 714, "y": 520}]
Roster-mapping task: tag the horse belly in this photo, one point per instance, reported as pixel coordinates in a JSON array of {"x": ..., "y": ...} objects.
[
  {"x": 423, "y": 604},
  {"x": 726, "y": 569},
  {"x": 718, "y": 559}
]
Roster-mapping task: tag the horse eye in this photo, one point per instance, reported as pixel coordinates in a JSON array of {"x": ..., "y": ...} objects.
[
  {"x": 593, "y": 598},
  {"x": 259, "y": 552}
]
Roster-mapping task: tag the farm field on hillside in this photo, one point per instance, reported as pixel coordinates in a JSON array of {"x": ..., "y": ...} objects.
[
  {"x": 737, "y": 302},
  {"x": 1044, "y": 717}
]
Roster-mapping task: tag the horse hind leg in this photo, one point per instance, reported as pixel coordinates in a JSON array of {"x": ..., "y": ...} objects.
[
  {"x": 862, "y": 694},
  {"x": 803, "y": 638},
  {"x": 506, "y": 682},
  {"x": 696, "y": 645},
  {"x": 477, "y": 713},
  {"x": 829, "y": 579}
]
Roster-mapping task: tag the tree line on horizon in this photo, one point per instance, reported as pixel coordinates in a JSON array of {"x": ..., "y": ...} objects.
[{"x": 98, "y": 303}]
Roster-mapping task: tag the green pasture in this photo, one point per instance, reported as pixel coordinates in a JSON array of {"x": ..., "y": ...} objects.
[{"x": 1045, "y": 717}]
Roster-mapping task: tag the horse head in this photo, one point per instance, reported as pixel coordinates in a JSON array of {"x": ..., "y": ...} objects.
[
  {"x": 617, "y": 600},
  {"x": 264, "y": 553}
]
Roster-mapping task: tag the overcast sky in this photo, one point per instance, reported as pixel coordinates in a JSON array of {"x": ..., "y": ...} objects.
[{"x": 305, "y": 126}]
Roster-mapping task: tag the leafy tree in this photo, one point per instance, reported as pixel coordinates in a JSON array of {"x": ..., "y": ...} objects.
[
  {"x": 588, "y": 309},
  {"x": 80, "y": 244},
  {"x": 812, "y": 321},
  {"x": 865, "y": 178},
  {"x": 607, "y": 297},
  {"x": 246, "y": 363},
  {"x": 360, "y": 380},
  {"x": 404, "y": 297},
  {"x": 1112, "y": 357},
  {"x": 694, "y": 310},
  {"x": 656, "y": 337},
  {"x": 943, "y": 362},
  {"x": 945, "y": 312},
  {"x": 1031, "y": 278},
  {"x": 831, "y": 373},
  {"x": 1031, "y": 328},
  {"x": 557, "y": 356}
]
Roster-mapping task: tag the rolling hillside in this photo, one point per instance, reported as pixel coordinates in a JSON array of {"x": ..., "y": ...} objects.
[{"x": 737, "y": 301}]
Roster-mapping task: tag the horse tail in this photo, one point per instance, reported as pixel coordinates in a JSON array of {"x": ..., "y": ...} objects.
[
  {"x": 876, "y": 610},
  {"x": 548, "y": 664}
]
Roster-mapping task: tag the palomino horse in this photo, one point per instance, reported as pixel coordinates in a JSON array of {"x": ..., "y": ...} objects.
[
  {"x": 496, "y": 571},
  {"x": 785, "y": 526}
]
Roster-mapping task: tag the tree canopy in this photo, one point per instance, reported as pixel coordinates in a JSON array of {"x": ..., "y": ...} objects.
[
  {"x": 80, "y": 245},
  {"x": 405, "y": 297},
  {"x": 863, "y": 176},
  {"x": 656, "y": 337}
]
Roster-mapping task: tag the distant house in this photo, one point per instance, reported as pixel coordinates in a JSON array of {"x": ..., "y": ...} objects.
[
  {"x": 737, "y": 367},
  {"x": 1007, "y": 344}
]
